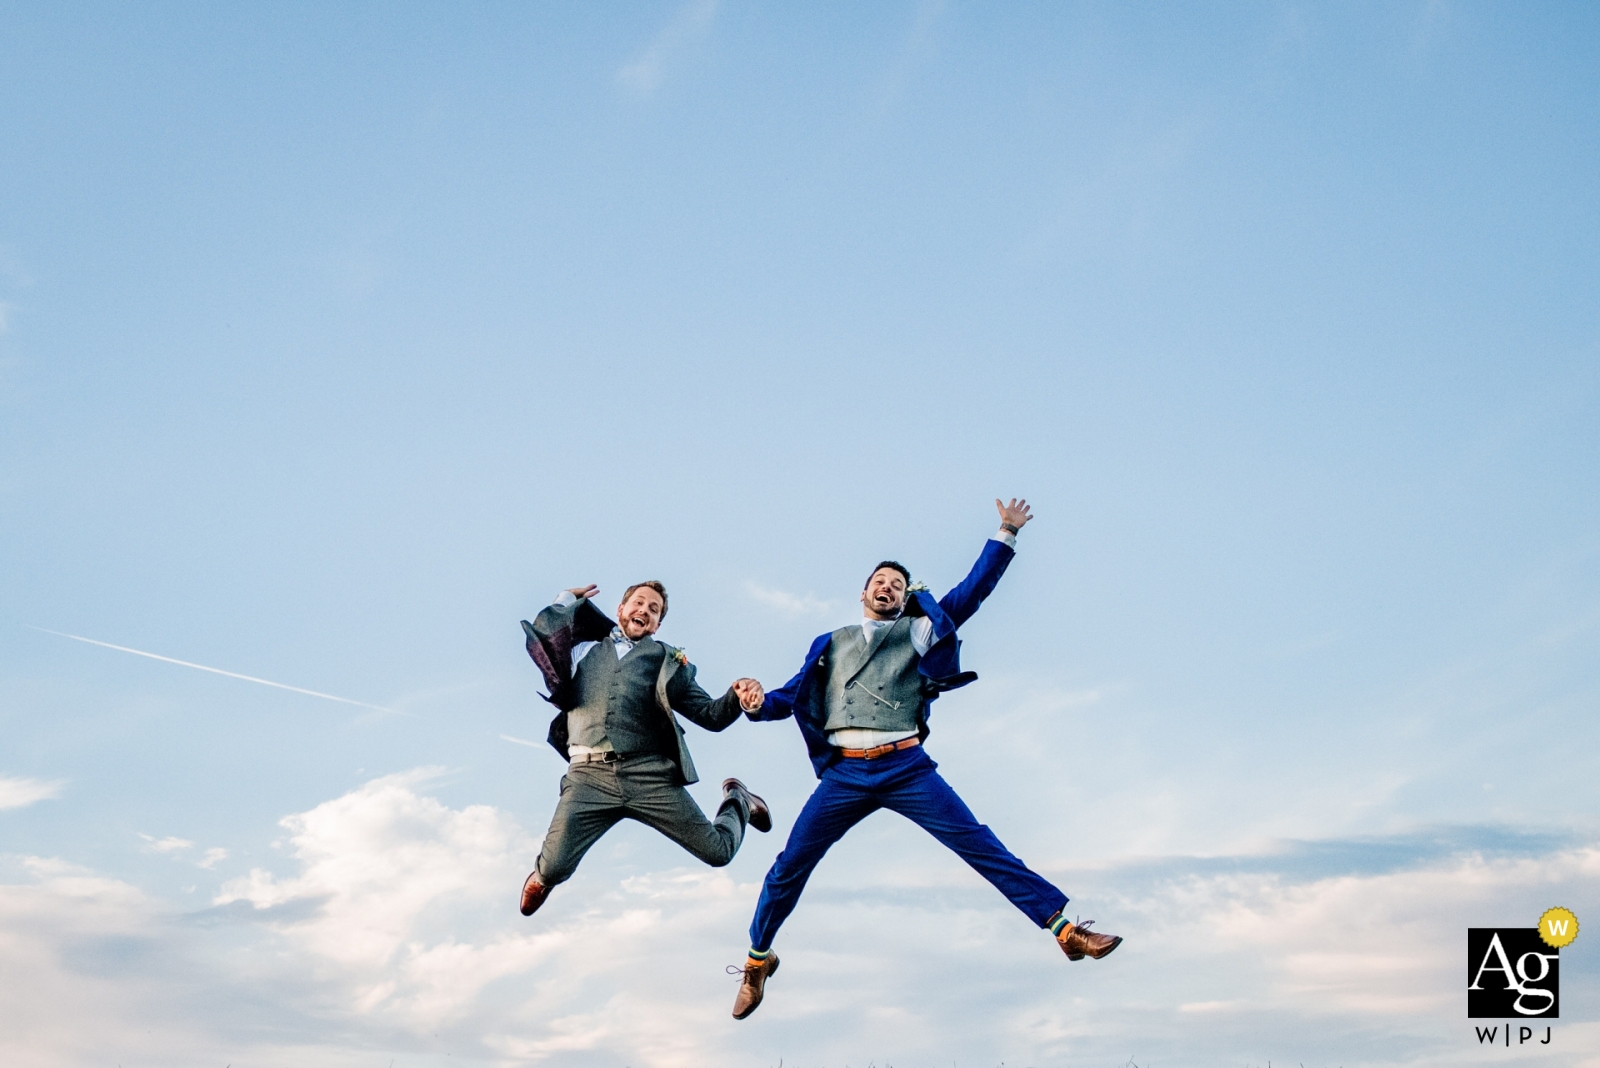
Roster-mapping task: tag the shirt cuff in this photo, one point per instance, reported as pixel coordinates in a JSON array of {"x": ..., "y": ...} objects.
[
  {"x": 1005, "y": 536},
  {"x": 565, "y": 598}
]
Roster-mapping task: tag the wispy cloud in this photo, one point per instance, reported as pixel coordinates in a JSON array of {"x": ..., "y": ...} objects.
[
  {"x": 916, "y": 52},
  {"x": 646, "y": 73},
  {"x": 521, "y": 741},
  {"x": 165, "y": 845},
  {"x": 792, "y": 604},
  {"x": 20, "y": 793},
  {"x": 215, "y": 671},
  {"x": 208, "y": 860}
]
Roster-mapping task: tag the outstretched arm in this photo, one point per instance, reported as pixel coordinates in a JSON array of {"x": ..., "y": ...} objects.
[
  {"x": 779, "y": 703},
  {"x": 960, "y": 603},
  {"x": 690, "y": 701}
]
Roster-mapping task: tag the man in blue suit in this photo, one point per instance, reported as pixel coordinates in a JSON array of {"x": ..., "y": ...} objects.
[{"x": 861, "y": 701}]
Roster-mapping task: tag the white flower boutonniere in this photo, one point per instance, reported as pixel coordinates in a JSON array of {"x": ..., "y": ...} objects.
[
  {"x": 917, "y": 587},
  {"x": 681, "y": 657}
]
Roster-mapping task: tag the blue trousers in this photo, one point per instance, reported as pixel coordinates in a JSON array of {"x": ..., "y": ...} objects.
[{"x": 906, "y": 782}]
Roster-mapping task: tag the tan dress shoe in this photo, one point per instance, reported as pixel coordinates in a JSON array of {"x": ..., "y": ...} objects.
[
  {"x": 753, "y": 986},
  {"x": 1077, "y": 941},
  {"x": 533, "y": 894}
]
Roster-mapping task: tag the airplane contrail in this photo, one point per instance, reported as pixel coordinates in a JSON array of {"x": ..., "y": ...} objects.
[{"x": 214, "y": 671}]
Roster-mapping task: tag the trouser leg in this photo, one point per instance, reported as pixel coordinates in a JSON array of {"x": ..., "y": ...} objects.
[
  {"x": 929, "y": 802},
  {"x": 591, "y": 804},
  {"x": 833, "y": 808},
  {"x": 655, "y": 798}
]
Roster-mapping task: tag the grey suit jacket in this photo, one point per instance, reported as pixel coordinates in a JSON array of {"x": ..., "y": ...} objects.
[{"x": 557, "y": 630}]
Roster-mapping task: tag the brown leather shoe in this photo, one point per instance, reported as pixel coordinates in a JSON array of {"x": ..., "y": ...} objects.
[
  {"x": 1077, "y": 941},
  {"x": 760, "y": 815},
  {"x": 753, "y": 986},
  {"x": 533, "y": 894}
]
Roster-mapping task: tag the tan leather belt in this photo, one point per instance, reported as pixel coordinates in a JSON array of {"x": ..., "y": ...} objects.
[
  {"x": 880, "y": 750},
  {"x": 608, "y": 757}
]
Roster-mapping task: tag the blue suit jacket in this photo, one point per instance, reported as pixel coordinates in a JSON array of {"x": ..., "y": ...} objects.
[{"x": 803, "y": 696}]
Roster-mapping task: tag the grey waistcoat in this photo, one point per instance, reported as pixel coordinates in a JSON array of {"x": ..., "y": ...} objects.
[
  {"x": 617, "y": 700},
  {"x": 877, "y": 686}
]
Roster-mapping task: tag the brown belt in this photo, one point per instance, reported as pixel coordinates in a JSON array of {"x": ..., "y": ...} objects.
[{"x": 880, "y": 750}]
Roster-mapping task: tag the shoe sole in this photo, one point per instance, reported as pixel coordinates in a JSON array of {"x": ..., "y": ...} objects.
[
  {"x": 763, "y": 821},
  {"x": 756, "y": 1004},
  {"x": 1097, "y": 956},
  {"x": 1108, "y": 949}
]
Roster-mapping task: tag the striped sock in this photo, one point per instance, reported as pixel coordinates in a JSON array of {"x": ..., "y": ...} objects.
[
  {"x": 758, "y": 956},
  {"x": 1056, "y": 923}
]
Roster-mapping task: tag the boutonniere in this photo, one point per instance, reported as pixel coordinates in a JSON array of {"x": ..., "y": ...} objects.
[
  {"x": 917, "y": 587},
  {"x": 681, "y": 657}
]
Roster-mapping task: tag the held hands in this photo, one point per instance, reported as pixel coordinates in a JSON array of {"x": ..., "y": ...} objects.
[
  {"x": 586, "y": 592},
  {"x": 751, "y": 695},
  {"x": 1014, "y": 515}
]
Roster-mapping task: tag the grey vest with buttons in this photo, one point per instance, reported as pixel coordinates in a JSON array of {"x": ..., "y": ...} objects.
[
  {"x": 617, "y": 700},
  {"x": 874, "y": 687}
]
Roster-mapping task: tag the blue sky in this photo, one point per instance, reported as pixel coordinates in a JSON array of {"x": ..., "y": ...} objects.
[{"x": 334, "y": 341}]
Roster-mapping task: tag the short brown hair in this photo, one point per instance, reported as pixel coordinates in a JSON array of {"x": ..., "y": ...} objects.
[
  {"x": 895, "y": 564},
  {"x": 651, "y": 584}
]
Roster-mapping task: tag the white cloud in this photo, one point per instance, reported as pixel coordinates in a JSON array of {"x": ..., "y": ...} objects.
[
  {"x": 791, "y": 604},
  {"x": 1381, "y": 945},
  {"x": 212, "y": 858},
  {"x": 20, "y": 793},
  {"x": 86, "y": 972},
  {"x": 394, "y": 929},
  {"x": 377, "y": 859},
  {"x": 646, "y": 73},
  {"x": 166, "y": 845}
]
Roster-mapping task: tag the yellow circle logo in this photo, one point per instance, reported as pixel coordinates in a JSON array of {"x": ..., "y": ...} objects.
[{"x": 1558, "y": 927}]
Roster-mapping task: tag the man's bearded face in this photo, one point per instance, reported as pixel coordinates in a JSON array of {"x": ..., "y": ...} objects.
[
  {"x": 640, "y": 614},
  {"x": 885, "y": 595}
]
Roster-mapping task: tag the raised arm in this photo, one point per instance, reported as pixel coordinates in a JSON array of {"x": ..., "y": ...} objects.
[
  {"x": 559, "y": 631},
  {"x": 960, "y": 603}
]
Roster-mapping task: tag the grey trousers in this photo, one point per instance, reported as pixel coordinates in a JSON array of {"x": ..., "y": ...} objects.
[{"x": 594, "y": 797}]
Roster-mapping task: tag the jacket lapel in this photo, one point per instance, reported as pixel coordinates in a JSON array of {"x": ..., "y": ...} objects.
[
  {"x": 670, "y": 663},
  {"x": 852, "y": 653},
  {"x": 870, "y": 649}
]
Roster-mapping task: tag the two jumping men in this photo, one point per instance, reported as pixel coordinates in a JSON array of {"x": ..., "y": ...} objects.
[{"x": 861, "y": 700}]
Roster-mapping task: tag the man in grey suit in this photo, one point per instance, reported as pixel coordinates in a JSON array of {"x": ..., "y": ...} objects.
[{"x": 619, "y": 693}]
